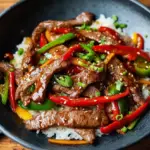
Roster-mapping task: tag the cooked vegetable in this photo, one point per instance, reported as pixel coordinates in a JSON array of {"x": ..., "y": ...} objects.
[
  {"x": 20, "y": 51},
  {"x": 64, "y": 100},
  {"x": 142, "y": 67},
  {"x": 43, "y": 40},
  {"x": 133, "y": 124},
  {"x": 90, "y": 55},
  {"x": 64, "y": 80},
  {"x": 130, "y": 52},
  {"x": 71, "y": 50},
  {"x": 85, "y": 27},
  {"x": 23, "y": 114},
  {"x": 112, "y": 32},
  {"x": 62, "y": 39},
  {"x": 4, "y": 88},
  {"x": 12, "y": 91},
  {"x": 126, "y": 120},
  {"x": 68, "y": 142},
  {"x": 47, "y": 105}
]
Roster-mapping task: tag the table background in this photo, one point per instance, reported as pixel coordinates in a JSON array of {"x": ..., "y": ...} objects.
[{"x": 8, "y": 144}]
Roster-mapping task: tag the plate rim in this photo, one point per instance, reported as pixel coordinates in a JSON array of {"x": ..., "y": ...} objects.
[{"x": 29, "y": 145}]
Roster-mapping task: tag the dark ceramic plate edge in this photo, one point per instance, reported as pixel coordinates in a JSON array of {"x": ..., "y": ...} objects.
[{"x": 31, "y": 146}]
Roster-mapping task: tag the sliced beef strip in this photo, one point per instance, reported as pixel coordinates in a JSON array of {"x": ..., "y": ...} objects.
[
  {"x": 18, "y": 75},
  {"x": 74, "y": 119},
  {"x": 90, "y": 91},
  {"x": 116, "y": 69},
  {"x": 97, "y": 36},
  {"x": 86, "y": 77},
  {"x": 5, "y": 67},
  {"x": 40, "y": 77},
  {"x": 84, "y": 17},
  {"x": 87, "y": 134}
]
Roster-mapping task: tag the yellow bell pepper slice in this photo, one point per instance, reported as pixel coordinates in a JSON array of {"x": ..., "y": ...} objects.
[
  {"x": 23, "y": 114},
  {"x": 67, "y": 142},
  {"x": 48, "y": 35},
  {"x": 134, "y": 38}
]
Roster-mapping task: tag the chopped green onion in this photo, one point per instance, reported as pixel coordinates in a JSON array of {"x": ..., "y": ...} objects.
[
  {"x": 119, "y": 85},
  {"x": 119, "y": 117},
  {"x": 85, "y": 27},
  {"x": 115, "y": 18},
  {"x": 20, "y": 51},
  {"x": 102, "y": 56},
  {"x": 31, "y": 88},
  {"x": 42, "y": 61},
  {"x": 122, "y": 26},
  {"x": 124, "y": 129},
  {"x": 102, "y": 40},
  {"x": 97, "y": 94},
  {"x": 82, "y": 64},
  {"x": 81, "y": 84},
  {"x": 97, "y": 69},
  {"x": 90, "y": 55},
  {"x": 91, "y": 44},
  {"x": 64, "y": 80},
  {"x": 146, "y": 35},
  {"x": 124, "y": 73}
]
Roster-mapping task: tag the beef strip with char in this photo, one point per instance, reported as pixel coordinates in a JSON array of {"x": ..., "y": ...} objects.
[
  {"x": 117, "y": 69},
  {"x": 40, "y": 77},
  {"x": 97, "y": 36},
  {"x": 74, "y": 119},
  {"x": 84, "y": 17},
  {"x": 90, "y": 91},
  {"x": 86, "y": 77},
  {"x": 108, "y": 39},
  {"x": 6, "y": 67}
]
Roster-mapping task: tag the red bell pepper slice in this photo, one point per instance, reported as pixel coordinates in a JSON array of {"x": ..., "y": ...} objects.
[
  {"x": 62, "y": 30},
  {"x": 115, "y": 109},
  {"x": 71, "y": 50},
  {"x": 140, "y": 43},
  {"x": 74, "y": 70},
  {"x": 43, "y": 40},
  {"x": 112, "y": 32},
  {"x": 131, "y": 52},
  {"x": 126, "y": 120},
  {"x": 72, "y": 102},
  {"x": 12, "y": 90}
]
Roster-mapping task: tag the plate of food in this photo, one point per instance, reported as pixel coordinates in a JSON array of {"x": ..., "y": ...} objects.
[{"x": 75, "y": 74}]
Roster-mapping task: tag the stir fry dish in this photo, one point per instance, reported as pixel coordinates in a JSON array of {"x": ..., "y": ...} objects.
[{"x": 77, "y": 79}]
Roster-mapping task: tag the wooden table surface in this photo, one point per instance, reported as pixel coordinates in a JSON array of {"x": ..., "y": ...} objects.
[{"x": 7, "y": 144}]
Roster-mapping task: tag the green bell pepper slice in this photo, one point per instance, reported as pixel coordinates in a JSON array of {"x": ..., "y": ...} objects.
[
  {"x": 62, "y": 39},
  {"x": 133, "y": 124},
  {"x": 64, "y": 80},
  {"x": 4, "y": 89},
  {"x": 122, "y": 103},
  {"x": 47, "y": 105},
  {"x": 142, "y": 67}
]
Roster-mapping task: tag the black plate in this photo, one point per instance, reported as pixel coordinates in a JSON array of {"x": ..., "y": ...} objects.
[{"x": 20, "y": 20}]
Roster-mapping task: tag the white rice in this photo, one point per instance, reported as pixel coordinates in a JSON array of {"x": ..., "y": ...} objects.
[
  {"x": 18, "y": 58},
  {"x": 64, "y": 132},
  {"x": 105, "y": 21}
]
